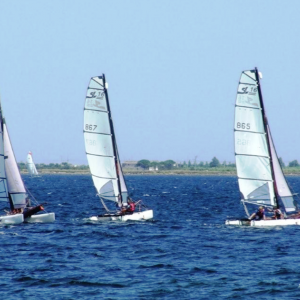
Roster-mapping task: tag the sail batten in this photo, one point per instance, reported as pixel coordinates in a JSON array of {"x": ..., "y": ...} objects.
[{"x": 100, "y": 143}]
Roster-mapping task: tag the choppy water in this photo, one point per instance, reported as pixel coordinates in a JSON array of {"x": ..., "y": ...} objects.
[{"x": 185, "y": 252}]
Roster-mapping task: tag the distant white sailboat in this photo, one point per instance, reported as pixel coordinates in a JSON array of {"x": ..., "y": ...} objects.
[
  {"x": 103, "y": 157},
  {"x": 31, "y": 166},
  {"x": 12, "y": 188},
  {"x": 260, "y": 177}
]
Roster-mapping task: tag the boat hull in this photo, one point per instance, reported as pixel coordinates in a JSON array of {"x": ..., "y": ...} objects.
[
  {"x": 41, "y": 218},
  {"x": 12, "y": 219},
  {"x": 264, "y": 223},
  {"x": 136, "y": 216}
]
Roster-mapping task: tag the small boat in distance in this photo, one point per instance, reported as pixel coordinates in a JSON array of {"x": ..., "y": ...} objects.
[
  {"x": 12, "y": 188},
  {"x": 31, "y": 166},
  {"x": 103, "y": 157},
  {"x": 260, "y": 177}
]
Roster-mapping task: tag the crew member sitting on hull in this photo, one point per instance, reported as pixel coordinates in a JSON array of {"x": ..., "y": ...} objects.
[
  {"x": 259, "y": 214},
  {"x": 130, "y": 208},
  {"x": 277, "y": 214}
]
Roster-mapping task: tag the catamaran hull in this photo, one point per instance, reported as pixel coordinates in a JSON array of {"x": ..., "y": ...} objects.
[
  {"x": 264, "y": 223},
  {"x": 12, "y": 219},
  {"x": 136, "y": 216},
  {"x": 42, "y": 218}
]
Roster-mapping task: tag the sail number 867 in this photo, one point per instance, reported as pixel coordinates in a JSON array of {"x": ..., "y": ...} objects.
[
  {"x": 90, "y": 127},
  {"x": 243, "y": 125}
]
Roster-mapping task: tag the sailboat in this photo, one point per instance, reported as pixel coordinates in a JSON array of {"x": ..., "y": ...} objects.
[
  {"x": 12, "y": 188},
  {"x": 260, "y": 177},
  {"x": 103, "y": 157},
  {"x": 31, "y": 166}
]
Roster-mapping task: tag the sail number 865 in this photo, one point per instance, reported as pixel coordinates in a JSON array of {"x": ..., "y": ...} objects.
[
  {"x": 243, "y": 125},
  {"x": 90, "y": 127}
]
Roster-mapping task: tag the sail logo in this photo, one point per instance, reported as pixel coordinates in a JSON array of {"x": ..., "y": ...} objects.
[
  {"x": 94, "y": 98},
  {"x": 98, "y": 95},
  {"x": 244, "y": 99}
]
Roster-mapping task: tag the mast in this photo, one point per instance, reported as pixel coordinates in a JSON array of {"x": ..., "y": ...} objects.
[
  {"x": 266, "y": 125},
  {"x": 115, "y": 151}
]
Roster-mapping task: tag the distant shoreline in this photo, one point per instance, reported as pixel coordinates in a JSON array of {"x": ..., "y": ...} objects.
[{"x": 154, "y": 173}]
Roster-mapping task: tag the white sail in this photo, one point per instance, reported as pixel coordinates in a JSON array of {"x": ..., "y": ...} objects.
[
  {"x": 260, "y": 176},
  {"x": 3, "y": 180},
  {"x": 100, "y": 143},
  {"x": 16, "y": 188},
  {"x": 30, "y": 165},
  {"x": 251, "y": 148}
]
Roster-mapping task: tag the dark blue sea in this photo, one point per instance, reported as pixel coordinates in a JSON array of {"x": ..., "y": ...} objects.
[{"x": 186, "y": 252}]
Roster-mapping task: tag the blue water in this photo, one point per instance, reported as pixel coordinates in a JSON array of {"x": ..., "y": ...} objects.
[{"x": 186, "y": 252}]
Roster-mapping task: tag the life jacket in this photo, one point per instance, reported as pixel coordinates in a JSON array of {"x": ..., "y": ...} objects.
[{"x": 132, "y": 207}]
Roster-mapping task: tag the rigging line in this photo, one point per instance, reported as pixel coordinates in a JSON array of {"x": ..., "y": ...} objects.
[
  {"x": 253, "y": 71},
  {"x": 100, "y": 77},
  {"x": 105, "y": 207},
  {"x": 36, "y": 202},
  {"x": 100, "y": 155}
]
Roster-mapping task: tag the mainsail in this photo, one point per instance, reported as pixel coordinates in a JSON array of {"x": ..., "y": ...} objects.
[
  {"x": 16, "y": 188},
  {"x": 261, "y": 180},
  {"x": 3, "y": 179},
  {"x": 30, "y": 165},
  {"x": 100, "y": 144}
]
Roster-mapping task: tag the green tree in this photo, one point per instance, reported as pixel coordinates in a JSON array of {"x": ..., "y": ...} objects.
[
  {"x": 281, "y": 162},
  {"x": 214, "y": 163},
  {"x": 154, "y": 164},
  {"x": 294, "y": 163},
  {"x": 144, "y": 163},
  {"x": 169, "y": 164}
]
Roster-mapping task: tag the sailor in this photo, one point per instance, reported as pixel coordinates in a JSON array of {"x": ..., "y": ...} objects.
[
  {"x": 259, "y": 214},
  {"x": 131, "y": 205},
  {"x": 277, "y": 213}
]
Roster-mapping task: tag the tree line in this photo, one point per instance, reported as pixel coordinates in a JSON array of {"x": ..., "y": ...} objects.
[
  {"x": 171, "y": 164},
  {"x": 189, "y": 165},
  {"x": 61, "y": 166}
]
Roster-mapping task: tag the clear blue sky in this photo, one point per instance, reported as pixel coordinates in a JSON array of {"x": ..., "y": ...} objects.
[{"x": 172, "y": 67}]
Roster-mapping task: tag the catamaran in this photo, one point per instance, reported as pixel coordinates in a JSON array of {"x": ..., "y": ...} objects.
[
  {"x": 103, "y": 157},
  {"x": 12, "y": 188},
  {"x": 260, "y": 177},
  {"x": 31, "y": 166}
]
